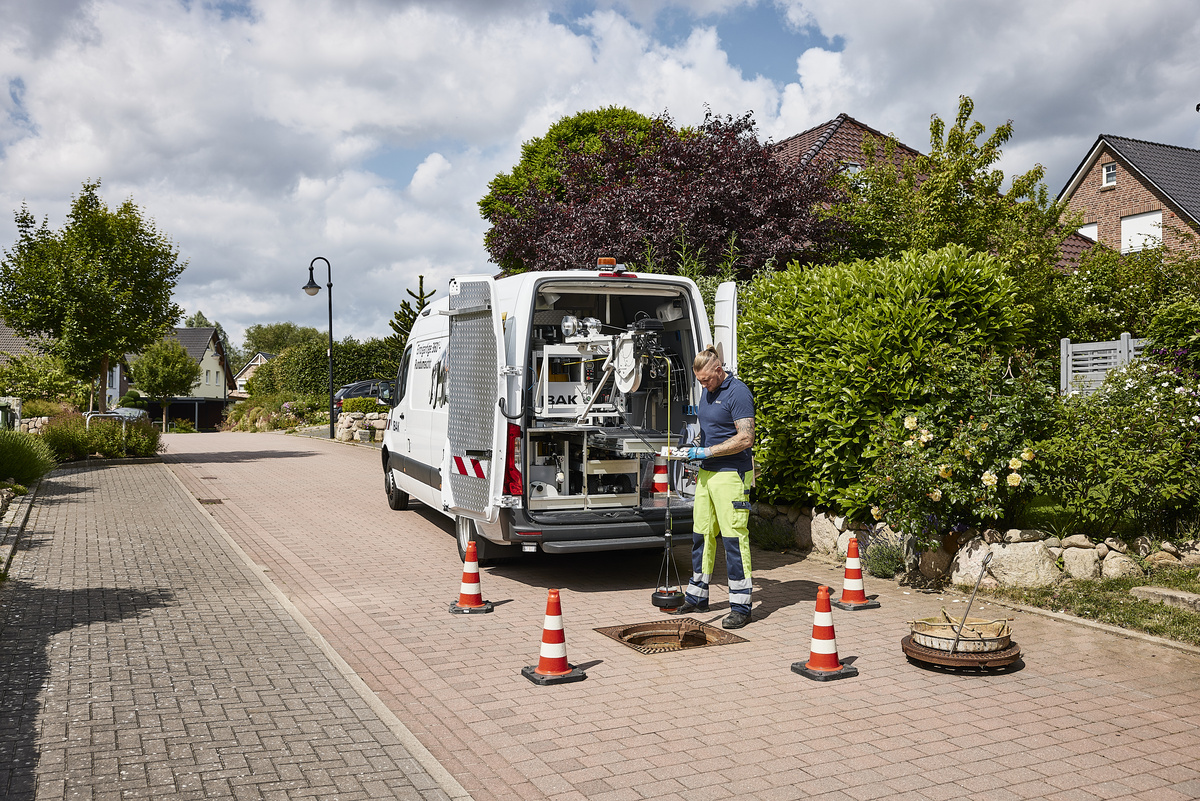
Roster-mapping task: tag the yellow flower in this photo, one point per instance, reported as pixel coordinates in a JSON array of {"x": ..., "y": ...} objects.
[
  {"x": 910, "y": 422},
  {"x": 1015, "y": 464},
  {"x": 936, "y": 495},
  {"x": 944, "y": 471},
  {"x": 983, "y": 426},
  {"x": 1014, "y": 479},
  {"x": 989, "y": 479},
  {"x": 925, "y": 436},
  {"x": 1027, "y": 455},
  {"x": 876, "y": 512}
]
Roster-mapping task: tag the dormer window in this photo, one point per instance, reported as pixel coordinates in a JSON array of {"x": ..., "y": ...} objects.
[{"x": 1110, "y": 175}]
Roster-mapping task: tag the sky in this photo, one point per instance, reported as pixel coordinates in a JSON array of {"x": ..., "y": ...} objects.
[{"x": 260, "y": 134}]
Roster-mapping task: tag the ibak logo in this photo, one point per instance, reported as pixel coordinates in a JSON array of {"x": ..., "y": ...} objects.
[{"x": 564, "y": 400}]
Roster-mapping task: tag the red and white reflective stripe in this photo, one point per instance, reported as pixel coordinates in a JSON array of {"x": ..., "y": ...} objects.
[
  {"x": 466, "y": 466},
  {"x": 552, "y": 656}
]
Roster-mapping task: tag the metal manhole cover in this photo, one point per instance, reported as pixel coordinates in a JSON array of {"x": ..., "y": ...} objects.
[
  {"x": 209, "y": 500},
  {"x": 662, "y": 636}
]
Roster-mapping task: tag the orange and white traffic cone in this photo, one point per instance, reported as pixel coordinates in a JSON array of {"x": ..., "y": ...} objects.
[
  {"x": 552, "y": 667},
  {"x": 660, "y": 475},
  {"x": 470, "y": 599},
  {"x": 823, "y": 664},
  {"x": 853, "y": 597}
]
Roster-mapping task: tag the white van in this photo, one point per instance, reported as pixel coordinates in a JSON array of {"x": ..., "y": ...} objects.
[{"x": 534, "y": 409}]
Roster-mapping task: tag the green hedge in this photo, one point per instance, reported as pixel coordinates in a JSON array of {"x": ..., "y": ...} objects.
[
  {"x": 304, "y": 369},
  {"x": 832, "y": 352}
]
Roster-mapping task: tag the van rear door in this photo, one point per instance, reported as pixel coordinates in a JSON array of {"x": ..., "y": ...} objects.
[
  {"x": 473, "y": 464},
  {"x": 725, "y": 313}
]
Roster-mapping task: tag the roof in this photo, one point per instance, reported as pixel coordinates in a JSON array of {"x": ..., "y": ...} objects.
[
  {"x": 1072, "y": 250},
  {"x": 1174, "y": 171},
  {"x": 196, "y": 341},
  {"x": 839, "y": 139},
  {"x": 13, "y": 343}
]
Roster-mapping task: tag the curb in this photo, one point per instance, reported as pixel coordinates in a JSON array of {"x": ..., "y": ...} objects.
[
  {"x": 1094, "y": 624},
  {"x": 13, "y": 525}
]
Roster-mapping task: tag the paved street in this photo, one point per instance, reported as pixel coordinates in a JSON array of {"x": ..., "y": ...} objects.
[{"x": 144, "y": 656}]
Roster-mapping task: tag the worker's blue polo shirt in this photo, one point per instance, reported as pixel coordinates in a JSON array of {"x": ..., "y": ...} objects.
[{"x": 731, "y": 401}]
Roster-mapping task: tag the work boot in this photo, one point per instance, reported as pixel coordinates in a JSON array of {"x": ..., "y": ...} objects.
[
  {"x": 735, "y": 620},
  {"x": 689, "y": 607}
]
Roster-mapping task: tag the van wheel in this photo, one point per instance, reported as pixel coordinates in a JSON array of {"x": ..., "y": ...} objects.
[
  {"x": 397, "y": 498},
  {"x": 464, "y": 532}
]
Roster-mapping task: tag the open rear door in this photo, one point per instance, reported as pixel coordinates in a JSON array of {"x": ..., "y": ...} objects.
[
  {"x": 473, "y": 464},
  {"x": 725, "y": 324}
]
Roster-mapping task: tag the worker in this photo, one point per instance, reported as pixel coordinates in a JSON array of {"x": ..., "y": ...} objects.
[{"x": 726, "y": 416}]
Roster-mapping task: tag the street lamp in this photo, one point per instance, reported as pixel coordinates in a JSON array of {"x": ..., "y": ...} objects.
[{"x": 312, "y": 288}]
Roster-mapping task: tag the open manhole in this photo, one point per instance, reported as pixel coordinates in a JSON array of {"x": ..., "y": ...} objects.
[{"x": 662, "y": 636}]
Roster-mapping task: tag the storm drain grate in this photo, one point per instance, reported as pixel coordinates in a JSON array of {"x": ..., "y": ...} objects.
[
  {"x": 663, "y": 636},
  {"x": 209, "y": 500}
]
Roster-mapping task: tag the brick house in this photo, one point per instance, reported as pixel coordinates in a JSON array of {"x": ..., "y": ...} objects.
[
  {"x": 1134, "y": 193},
  {"x": 840, "y": 140}
]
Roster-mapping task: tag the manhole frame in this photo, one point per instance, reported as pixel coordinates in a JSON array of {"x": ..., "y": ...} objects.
[{"x": 713, "y": 636}]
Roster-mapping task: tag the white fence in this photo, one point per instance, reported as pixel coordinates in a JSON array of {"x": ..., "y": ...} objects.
[{"x": 1083, "y": 365}]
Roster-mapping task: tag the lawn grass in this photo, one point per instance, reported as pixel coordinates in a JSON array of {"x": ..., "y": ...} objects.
[{"x": 1108, "y": 601}]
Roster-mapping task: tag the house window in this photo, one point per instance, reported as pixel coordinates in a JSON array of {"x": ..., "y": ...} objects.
[
  {"x": 218, "y": 376},
  {"x": 1110, "y": 175},
  {"x": 1140, "y": 231},
  {"x": 851, "y": 168},
  {"x": 208, "y": 376},
  {"x": 1091, "y": 231}
]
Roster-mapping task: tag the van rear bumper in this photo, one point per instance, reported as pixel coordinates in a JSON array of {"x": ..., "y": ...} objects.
[
  {"x": 590, "y": 533},
  {"x": 590, "y": 546}
]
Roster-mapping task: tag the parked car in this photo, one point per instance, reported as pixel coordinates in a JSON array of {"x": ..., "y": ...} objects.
[
  {"x": 131, "y": 412},
  {"x": 379, "y": 388}
]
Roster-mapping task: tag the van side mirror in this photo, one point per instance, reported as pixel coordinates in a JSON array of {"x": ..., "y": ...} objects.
[{"x": 387, "y": 394}]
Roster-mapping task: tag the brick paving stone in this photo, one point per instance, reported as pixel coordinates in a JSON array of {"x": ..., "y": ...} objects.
[
  {"x": 713, "y": 723},
  {"x": 142, "y": 658}
]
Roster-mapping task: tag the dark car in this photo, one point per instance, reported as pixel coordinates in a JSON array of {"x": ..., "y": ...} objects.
[{"x": 371, "y": 388}]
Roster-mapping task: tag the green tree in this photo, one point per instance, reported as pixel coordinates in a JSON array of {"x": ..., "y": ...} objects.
[
  {"x": 164, "y": 371},
  {"x": 402, "y": 321},
  {"x": 96, "y": 289},
  {"x": 275, "y": 338},
  {"x": 40, "y": 376},
  {"x": 236, "y": 361},
  {"x": 955, "y": 195}
]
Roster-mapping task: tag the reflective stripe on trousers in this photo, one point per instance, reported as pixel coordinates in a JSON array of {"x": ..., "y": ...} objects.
[{"x": 722, "y": 505}]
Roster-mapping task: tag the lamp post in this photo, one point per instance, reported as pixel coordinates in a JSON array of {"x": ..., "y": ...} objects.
[{"x": 312, "y": 288}]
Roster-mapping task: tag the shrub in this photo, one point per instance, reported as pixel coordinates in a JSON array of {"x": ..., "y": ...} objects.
[
  {"x": 966, "y": 457},
  {"x": 1127, "y": 457},
  {"x": 280, "y": 410},
  {"x": 37, "y": 407},
  {"x": 1174, "y": 334},
  {"x": 304, "y": 369},
  {"x": 181, "y": 426},
  {"x": 364, "y": 405},
  {"x": 833, "y": 352},
  {"x": 71, "y": 439},
  {"x": 24, "y": 458},
  {"x": 884, "y": 556}
]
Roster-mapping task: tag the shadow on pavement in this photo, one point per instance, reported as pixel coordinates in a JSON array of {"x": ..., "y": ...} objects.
[
  {"x": 231, "y": 457},
  {"x": 29, "y": 617}
]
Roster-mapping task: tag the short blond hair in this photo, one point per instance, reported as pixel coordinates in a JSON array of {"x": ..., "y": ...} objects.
[{"x": 706, "y": 358}]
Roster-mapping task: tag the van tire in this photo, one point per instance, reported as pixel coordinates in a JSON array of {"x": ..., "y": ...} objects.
[
  {"x": 397, "y": 498},
  {"x": 486, "y": 551}
]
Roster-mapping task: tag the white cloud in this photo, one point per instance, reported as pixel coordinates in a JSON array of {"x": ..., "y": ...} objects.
[{"x": 250, "y": 137}]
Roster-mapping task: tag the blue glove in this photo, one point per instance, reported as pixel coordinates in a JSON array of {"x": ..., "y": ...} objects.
[{"x": 698, "y": 454}]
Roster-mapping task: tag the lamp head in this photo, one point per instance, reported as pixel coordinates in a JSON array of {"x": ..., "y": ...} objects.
[{"x": 312, "y": 287}]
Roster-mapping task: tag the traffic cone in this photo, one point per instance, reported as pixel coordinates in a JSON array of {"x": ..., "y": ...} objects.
[
  {"x": 823, "y": 664},
  {"x": 853, "y": 598},
  {"x": 552, "y": 667},
  {"x": 470, "y": 600},
  {"x": 660, "y": 475}
]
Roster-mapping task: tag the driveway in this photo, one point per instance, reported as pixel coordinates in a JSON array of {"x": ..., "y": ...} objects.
[{"x": 1087, "y": 714}]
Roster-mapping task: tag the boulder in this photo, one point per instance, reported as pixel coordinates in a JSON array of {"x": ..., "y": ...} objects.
[
  {"x": 1117, "y": 545},
  {"x": 1081, "y": 563},
  {"x": 1078, "y": 541},
  {"x": 802, "y": 529},
  {"x": 966, "y": 564},
  {"x": 1188, "y": 601},
  {"x": 1142, "y": 546},
  {"x": 1162, "y": 559},
  {"x": 843, "y": 541},
  {"x": 1169, "y": 547},
  {"x": 1118, "y": 565},
  {"x": 1191, "y": 560},
  {"x": 1102, "y": 550},
  {"x": 824, "y": 533},
  {"x": 793, "y": 513},
  {"x": 839, "y": 523},
  {"x": 991, "y": 536},
  {"x": 1053, "y": 542},
  {"x": 934, "y": 564},
  {"x": 1024, "y": 564},
  {"x": 764, "y": 510},
  {"x": 1023, "y": 535}
]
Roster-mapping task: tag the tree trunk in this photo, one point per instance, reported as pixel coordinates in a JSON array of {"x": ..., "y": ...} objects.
[{"x": 102, "y": 395}]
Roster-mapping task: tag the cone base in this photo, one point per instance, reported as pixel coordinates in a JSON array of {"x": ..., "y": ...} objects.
[
  {"x": 850, "y": 606},
  {"x": 541, "y": 679},
  {"x": 844, "y": 672},
  {"x": 455, "y": 609}
]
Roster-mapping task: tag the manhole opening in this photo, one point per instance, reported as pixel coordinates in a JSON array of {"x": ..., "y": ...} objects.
[
  {"x": 664, "y": 636},
  {"x": 209, "y": 500}
]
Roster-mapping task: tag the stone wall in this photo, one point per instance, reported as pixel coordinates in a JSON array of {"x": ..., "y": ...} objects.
[
  {"x": 360, "y": 426},
  {"x": 33, "y": 425},
  {"x": 1020, "y": 557}
]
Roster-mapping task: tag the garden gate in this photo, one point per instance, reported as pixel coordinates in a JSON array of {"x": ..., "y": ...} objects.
[{"x": 1083, "y": 365}]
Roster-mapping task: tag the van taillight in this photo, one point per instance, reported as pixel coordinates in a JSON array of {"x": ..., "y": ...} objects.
[{"x": 514, "y": 483}]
